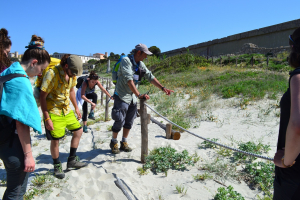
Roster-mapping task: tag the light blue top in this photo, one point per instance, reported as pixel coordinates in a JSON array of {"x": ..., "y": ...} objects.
[
  {"x": 125, "y": 74},
  {"x": 17, "y": 99}
]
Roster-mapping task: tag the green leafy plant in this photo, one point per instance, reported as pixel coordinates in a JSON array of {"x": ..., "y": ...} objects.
[
  {"x": 252, "y": 148},
  {"x": 164, "y": 158},
  {"x": 260, "y": 174},
  {"x": 227, "y": 194},
  {"x": 109, "y": 128}
]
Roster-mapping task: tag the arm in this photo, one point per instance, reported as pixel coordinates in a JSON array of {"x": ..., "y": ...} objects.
[
  {"x": 24, "y": 137},
  {"x": 156, "y": 83},
  {"x": 292, "y": 147},
  {"x": 48, "y": 123},
  {"x": 73, "y": 100},
  {"x": 135, "y": 91},
  {"x": 103, "y": 89}
]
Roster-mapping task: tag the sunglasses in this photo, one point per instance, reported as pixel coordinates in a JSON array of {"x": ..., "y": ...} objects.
[
  {"x": 95, "y": 77},
  {"x": 290, "y": 37}
]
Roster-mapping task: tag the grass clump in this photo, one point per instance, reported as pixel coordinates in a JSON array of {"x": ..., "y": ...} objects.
[
  {"x": 228, "y": 194},
  {"x": 202, "y": 177},
  {"x": 208, "y": 145},
  {"x": 164, "y": 158},
  {"x": 181, "y": 189},
  {"x": 43, "y": 183},
  {"x": 142, "y": 171}
]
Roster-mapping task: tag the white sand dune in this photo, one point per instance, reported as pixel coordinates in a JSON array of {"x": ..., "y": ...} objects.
[{"x": 97, "y": 180}]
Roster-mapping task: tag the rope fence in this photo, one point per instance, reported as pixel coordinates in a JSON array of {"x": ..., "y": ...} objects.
[{"x": 216, "y": 143}]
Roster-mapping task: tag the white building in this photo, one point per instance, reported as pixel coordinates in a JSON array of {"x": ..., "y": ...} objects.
[{"x": 84, "y": 59}]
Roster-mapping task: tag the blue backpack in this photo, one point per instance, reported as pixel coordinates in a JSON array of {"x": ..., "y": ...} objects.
[{"x": 116, "y": 69}]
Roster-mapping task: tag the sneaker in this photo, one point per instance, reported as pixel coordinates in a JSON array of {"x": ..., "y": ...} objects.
[
  {"x": 114, "y": 147},
  {"x": 58, "y": 172},
  {"x": 91, "y": 116},
  {"x": 125, "y": 147},
  {"x": 85, "y": 129},
  {"x": 75, "y": 163}
]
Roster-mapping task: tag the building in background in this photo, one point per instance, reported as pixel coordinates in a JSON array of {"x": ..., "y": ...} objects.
[
  {"x": 14, "y": 54},
  {"x": 84, "y": 59}
]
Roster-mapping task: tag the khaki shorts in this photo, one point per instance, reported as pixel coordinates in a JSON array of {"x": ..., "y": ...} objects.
[{"x": 60, "y": 123}]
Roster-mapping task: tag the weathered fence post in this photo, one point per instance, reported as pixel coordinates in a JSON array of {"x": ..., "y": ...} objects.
[
  {"x": 102, "y": 92},
  {"x": 168, "y": 131},
  {"x": 267, "y": 60},
  {"x": 236, "y": 61},
  {"x": 108, "y": 66},
  {"x": 252, "y": 61},
  {"x": 148, "y": 118},
  {"x": 144, "y": 130},
  {"x": 220, "y": 61},
  {"x": 106, "y": 104}
]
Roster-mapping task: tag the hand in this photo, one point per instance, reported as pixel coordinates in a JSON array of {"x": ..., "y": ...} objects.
[
  {"x": 144, "y": 96},
  {"x": 112, "y": 98},
  {"x": 167, "y": 91},
  {"x": 277, "y": 158},
  {"x": 29, "y": 162},
  {"x": 93, "y": 106},
  {"x": 49, "y": 125},
  {"x": 78, "y": 113}
]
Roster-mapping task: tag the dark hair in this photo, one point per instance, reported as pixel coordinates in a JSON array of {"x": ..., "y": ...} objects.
[
  {"x": 294, "y": 58},
  {"x": 93, "y": 76},
  {"x": 136, "y": 51},
  {"x": 41, "y": 55},
  {"x": 5, "y": 42},
  {"x": 64, "y": 59}
]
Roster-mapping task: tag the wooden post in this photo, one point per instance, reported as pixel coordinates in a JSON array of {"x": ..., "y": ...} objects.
[
  {"x": 106, "y": 104},
  {"x": 102, "y": 92},
  {"x": 144, "y": 130},
  {"x": 235, "y": 61},
  {"x": 252, "y": 61},
  {"x": 267, "y": 60},
  {"x": 220, "y": 61},
  {"x": 168, "y": 131},
  {"x": 108, "y": 66},
  {"x": 148, "y": 118}
]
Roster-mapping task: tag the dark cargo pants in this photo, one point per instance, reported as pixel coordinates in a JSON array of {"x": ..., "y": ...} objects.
[
  {"x": 13, "y": 159},
  {"x": 123, "y": 114}
]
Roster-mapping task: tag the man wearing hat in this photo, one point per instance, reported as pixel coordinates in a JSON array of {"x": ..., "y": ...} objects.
[
  {"x": 131, "y": 71},
  {"x": 56, "y": 93}
]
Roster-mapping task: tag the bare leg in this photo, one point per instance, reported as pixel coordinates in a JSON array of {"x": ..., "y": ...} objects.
[
  {"x": 76, "y": 138},
  {"x": 125, "y": 132},
  {"x": 54, "y": 148}
]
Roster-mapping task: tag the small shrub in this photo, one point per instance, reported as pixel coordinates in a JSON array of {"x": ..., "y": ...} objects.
[
  {"x": 252, "y": 148},
  {"x": 109, "y": 128},
  {"x": 164, "y": 158},
  {"x": 229, "y": 193},
  {"x": 260, "y": 174}
]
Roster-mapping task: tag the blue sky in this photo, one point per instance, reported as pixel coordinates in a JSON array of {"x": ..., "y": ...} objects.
[{"x": 88, "y": 26}]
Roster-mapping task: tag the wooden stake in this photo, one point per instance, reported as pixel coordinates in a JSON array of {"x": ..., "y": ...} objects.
[
  {"x": 168, "y": 131},
  {"x": 144, "y": 130}
]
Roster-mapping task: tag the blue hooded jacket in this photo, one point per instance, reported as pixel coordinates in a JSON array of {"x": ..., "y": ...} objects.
[{"x": 17, "y": 99}]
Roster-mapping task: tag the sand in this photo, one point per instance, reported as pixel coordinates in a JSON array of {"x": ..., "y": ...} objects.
[{"x": 258, "y": 122}]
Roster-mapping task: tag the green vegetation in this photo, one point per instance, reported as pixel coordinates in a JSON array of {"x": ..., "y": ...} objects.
[
  {"x": 181, "y": 189},
  {"x": 252, "y": 148},
  {"x": 164, "y": 158},
  {"x": 43, "y": 183},
  {"x": 206, "y": 144},
  {"x": 202, "y": 177},
  {"x": 228, "y": 194}
]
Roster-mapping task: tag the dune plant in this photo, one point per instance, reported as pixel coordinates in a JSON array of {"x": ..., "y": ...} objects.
[
  {"x": 252, "y": 148},
  {"x": 181, "y": 189},
  {"x": 202, "y": 177},
  {"x": 161, "y": 159},
  {"x": 228, "y": 194}
]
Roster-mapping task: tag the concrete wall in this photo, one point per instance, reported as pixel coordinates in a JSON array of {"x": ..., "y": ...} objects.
[{"x": 269, "y": 37}]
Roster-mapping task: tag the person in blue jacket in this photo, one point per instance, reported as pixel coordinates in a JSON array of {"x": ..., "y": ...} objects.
[{"x": 18, "y": 103}]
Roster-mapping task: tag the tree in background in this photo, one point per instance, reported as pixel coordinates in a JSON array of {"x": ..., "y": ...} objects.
[
  {"x": 155, "y": 50},
  {"x": 123, "y": 54},
  {"x": 92, "y": 61}
]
